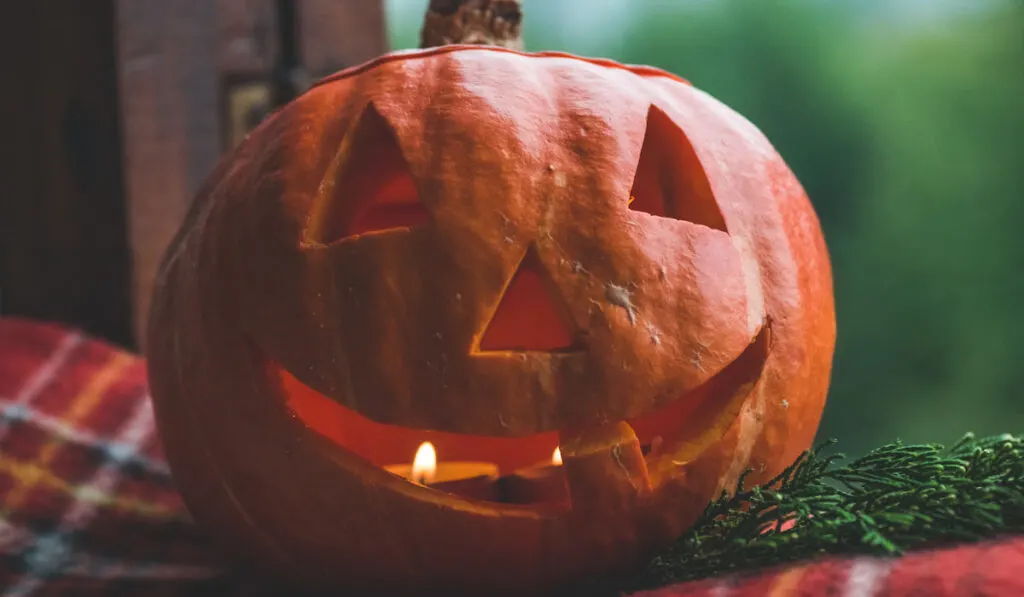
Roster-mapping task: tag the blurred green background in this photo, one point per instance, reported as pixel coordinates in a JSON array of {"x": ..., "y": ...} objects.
[{"x": 904, "y": 119}]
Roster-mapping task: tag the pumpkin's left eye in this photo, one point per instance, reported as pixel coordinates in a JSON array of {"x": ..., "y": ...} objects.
[
  {"x": 670, "y": 181},
  {"x": 374, "y": 190}
]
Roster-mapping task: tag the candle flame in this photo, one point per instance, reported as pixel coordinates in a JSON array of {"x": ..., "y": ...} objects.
[
  {"x": 556, "y": 458},
  {"x": 424, "y": 464}
]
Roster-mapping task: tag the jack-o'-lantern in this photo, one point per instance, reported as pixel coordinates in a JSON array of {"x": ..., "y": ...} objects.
[{"x": 502, "y": 254}]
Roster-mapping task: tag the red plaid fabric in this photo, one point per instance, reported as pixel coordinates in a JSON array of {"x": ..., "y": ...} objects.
[{"x": 88, "y": 507}]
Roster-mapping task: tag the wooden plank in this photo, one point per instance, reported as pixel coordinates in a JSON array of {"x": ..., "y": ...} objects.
[
  {"x": 194, "y": 76},
  {"x": 248, "y": 40},
  {"x": 63, "y": 252},
  {"x": 175, "y": 60},
  {"x": 335, "y": 34}
]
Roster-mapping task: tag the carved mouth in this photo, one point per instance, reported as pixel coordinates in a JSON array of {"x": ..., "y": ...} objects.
[{"x": 668, "y": 437}]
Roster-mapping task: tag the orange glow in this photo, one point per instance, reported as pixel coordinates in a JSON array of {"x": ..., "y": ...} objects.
[
  {"x": 556, "y": 458},
  {"x": 424, "y": 464}
]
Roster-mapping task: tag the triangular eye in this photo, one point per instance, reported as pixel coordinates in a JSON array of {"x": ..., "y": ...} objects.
[
  {"x": 529, "y": 316},
  {"x": 373, "y": 188},
  {"x": 670, "y": 181}
]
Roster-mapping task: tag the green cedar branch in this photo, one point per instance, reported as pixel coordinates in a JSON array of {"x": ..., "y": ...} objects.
[{"x": 895, "y": 498}]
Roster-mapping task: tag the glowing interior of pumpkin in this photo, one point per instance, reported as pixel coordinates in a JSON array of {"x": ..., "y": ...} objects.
[{"x": 686, "y": 424}]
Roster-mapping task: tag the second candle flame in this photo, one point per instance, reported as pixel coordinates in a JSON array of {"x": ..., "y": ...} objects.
[{"x": 556, "y": 458}]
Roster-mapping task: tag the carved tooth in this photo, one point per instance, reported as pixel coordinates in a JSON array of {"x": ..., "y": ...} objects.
[{"x": 604, "y": 466}]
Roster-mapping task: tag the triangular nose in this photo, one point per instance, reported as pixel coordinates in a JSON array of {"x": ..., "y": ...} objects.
[{"x": 529, "y": 315}]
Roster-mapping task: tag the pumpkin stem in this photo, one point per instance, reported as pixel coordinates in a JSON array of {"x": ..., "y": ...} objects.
[{"x": 477, "y": 22}]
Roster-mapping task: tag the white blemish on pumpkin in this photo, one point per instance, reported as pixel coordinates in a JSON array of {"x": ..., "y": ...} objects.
[
  {"x": 662, "y": 273},
  {"x": 698, "y": 356},
  {"x": 785, "y": 404},
  {"x": 655, "y": 334},
  {"x": 509, "y": 240},
  {"x": 551, "y": 167},
  {"x": 620, "y": 297},
  {"x": 577, "y": 267}
]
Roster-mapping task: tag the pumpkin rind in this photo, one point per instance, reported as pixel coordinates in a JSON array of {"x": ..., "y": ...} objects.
[{"x": 510, "y": 153}]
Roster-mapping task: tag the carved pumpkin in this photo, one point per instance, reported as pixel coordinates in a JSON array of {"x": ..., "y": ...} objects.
[{"x": 501, "y": 253}]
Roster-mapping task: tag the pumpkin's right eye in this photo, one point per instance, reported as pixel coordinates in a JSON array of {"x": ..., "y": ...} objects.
[{"x": 670, "y": 181}]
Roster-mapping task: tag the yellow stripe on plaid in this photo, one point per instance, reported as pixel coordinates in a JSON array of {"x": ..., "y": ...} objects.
[
  {"x": 786, "y": 583},
  {"x": 31, "y": 474},
  {"x": 81, "y": 406}
]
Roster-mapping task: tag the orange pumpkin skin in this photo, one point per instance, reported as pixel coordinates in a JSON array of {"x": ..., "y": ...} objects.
[{"x": 328, "y": 305}]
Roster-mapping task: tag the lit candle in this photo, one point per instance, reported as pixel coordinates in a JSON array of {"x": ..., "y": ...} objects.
[
  {"x": 469, "y": 479},
  {"x": 542, "y": 484}
]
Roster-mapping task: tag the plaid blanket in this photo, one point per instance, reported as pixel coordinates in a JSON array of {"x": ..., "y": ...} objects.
[{"x": 88, "y": 506}]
